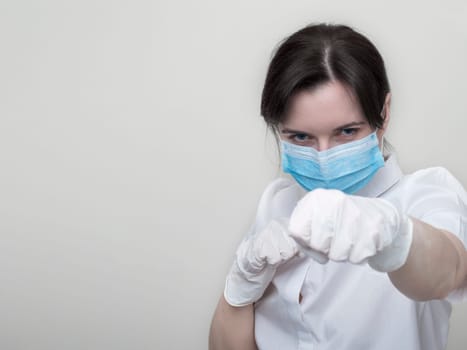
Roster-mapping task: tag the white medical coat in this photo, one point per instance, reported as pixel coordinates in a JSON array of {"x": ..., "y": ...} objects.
[{"x": 354, "y": 307}]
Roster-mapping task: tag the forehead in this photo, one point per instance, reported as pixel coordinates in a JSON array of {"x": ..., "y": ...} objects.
[{"x": 323, "y": 109}]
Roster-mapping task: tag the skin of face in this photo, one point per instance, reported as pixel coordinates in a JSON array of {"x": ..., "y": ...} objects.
[{"x": 327, "y": 116}]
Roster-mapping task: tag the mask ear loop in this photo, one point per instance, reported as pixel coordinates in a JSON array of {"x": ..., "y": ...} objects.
[{"x": 383, "y": 111}]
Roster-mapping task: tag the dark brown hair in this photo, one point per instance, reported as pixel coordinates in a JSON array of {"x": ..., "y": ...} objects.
[{"x": 318, "y": 54}]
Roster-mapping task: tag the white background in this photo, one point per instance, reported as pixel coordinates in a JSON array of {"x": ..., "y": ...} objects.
[{"x": 133, "y": 154}]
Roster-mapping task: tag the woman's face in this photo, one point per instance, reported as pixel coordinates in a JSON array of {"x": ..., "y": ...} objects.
[{"x": 325, "y": 117}]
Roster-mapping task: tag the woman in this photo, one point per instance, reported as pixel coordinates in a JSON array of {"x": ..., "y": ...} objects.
[{"x": 313, "y": 272}]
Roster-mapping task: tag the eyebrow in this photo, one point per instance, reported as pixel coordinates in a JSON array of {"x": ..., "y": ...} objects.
[{"x": 345, "y": 126}]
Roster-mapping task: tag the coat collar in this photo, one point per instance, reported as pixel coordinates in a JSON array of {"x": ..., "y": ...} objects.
[{"x": 384, "y": 179}]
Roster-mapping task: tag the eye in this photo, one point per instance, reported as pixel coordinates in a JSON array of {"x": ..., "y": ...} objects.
[
  {"x": 348, "y": 131},
  {"x": 299, "y": 137}
]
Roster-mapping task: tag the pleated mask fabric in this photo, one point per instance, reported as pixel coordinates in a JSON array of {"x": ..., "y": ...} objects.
[{"x": 347, "y": 167}]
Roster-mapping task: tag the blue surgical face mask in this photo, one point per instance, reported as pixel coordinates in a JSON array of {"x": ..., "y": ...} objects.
[{"x": 347, "y": 167}]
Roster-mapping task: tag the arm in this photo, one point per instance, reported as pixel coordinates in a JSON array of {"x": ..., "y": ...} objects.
[
  {"x": 435, "y": 266},
  {"x": 422, "y": 261},
  {"x": 232, "y": 328}
]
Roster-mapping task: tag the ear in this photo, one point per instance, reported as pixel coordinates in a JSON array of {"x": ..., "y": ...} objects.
[{"x": 386, "y": 114}]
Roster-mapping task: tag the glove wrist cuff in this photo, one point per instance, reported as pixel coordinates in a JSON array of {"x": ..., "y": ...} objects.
[{"x": 395, "y": 255}]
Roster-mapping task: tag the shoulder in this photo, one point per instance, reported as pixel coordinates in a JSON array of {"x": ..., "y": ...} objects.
[
  {"x": 433, "y": 187},
  {"x": 429, "y": 189},
  {"x": 434, "y": 196},
  {"x": 278, "y": 200},
  {"x": 429, "y": 181},
  {"x": 435, "y": 176},
  {"x": 281, "y": 189}
]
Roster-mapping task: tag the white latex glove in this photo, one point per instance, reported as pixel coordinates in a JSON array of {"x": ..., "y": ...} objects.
[
  {"x": 257, "y": 259},
  {"x": 352, "y": 228}
]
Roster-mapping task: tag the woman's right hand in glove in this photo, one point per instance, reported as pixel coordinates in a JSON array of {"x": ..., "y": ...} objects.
[{"x": 256, "y": 261}]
